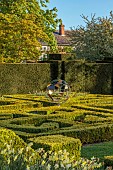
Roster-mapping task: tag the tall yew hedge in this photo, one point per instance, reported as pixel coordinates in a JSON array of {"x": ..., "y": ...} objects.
[
  {"x": 23, "y": 78},
  {"x": 34, "y": 77}
]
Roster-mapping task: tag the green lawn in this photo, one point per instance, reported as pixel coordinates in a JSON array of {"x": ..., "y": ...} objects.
[{"x": 97, "y": 150}]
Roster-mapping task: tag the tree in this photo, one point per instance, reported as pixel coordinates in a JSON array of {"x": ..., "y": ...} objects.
[
  {"x": 24, "y": 25},
  {"x": 95, "y": 40}
]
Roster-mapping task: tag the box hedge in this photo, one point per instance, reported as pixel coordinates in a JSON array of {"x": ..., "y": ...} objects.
[
  {"x": 108, "y": 161},
  {"x": 58, "y": 142},
  {"x": 9, "y": 137}
]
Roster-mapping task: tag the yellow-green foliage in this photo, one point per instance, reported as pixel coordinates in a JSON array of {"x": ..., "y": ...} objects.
[
  {"x": 88, "y": 117},
  {"x": 13, "y": 144},
  {"x": 14, "y": 152},
  {"x": 58, "y": 142},
  {"x": 44, "y": 160},
  {"x": 7, "y": 136}
]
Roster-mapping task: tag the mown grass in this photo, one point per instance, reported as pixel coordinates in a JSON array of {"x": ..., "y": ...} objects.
[{"x": 98, "y": 150}]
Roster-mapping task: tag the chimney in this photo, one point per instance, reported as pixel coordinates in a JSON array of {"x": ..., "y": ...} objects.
[{"x": 61, "y": 30}]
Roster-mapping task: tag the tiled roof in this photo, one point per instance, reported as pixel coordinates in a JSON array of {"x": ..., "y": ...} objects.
[{"x": 62, "y": 40}]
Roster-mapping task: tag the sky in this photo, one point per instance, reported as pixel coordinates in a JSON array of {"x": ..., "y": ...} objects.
[{"x": 70, "y": 11}]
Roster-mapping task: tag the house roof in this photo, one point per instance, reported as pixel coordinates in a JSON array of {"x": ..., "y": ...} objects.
[
  {"x": 62, "y": 39},
  {"x": 61, "y": 36}
]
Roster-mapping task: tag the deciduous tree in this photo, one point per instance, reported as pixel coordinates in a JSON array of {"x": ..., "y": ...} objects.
[
  {"x": 95, "y": 40},
  {"x": 24, "y": 24}
]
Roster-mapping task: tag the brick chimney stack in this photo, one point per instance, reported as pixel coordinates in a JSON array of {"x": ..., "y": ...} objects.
[{"x": 61, "y": 30}]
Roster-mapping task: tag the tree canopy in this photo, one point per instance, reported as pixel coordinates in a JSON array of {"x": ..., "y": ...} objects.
[
  {"x": 95, "y": 40},
  {"x": 24, "y": 24}
]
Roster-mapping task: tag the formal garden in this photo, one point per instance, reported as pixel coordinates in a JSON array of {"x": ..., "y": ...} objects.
[{"x": 37, "y": 133}]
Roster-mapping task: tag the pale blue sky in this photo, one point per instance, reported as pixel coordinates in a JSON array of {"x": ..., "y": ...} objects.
[{"x": 70, "y": 10}]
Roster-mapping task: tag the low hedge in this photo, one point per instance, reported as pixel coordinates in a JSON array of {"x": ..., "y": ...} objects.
[
  {"x": 58, "y": 142},
  {"x": 108, "y": 161},
  {"x": 20, "y": 106},
  {"x": 9, "y": 137},
  {"x": 96, "y": 119},
  {"x": 62, "y": 123},
  {"x": 92, "y": 134},
  {"x": 14, "y": 152},
  {"x": 25, "y": 136},
  {"x": 4, "y": 118},
  {"x": 45, "y": 125},
  {"x": 89, "y": 108},
  {"x": 35, "y": 120},
  {"x": 16, "y": 125},
  {"x": 87, "y": 135},
  {"x": 74, "y": 118},
  {"x": 40, "y": 117},
  {"x": 75, "y": 115}
]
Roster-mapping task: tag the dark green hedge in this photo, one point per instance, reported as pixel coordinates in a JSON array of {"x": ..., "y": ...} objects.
[
  {"x": 87, "y": 135},
  {"x": 24, "y": 78},
  {"x": 75, "y": 75},
  {"x": 89, "y": 77},
  {"x": 92, "y": 134},
  {"x": 63, "y": 57},
  {"x": 98, "y": 78},
  {"x": 32, "y": 78}
]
